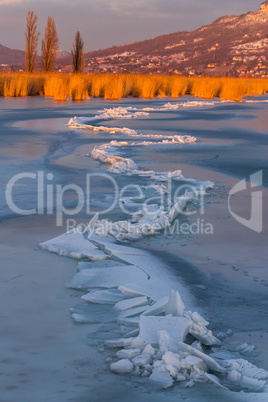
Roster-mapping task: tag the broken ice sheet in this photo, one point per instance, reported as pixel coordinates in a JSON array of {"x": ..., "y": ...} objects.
[
  {"x": 94, "y": 314},
  {"x": 106, "y": 296},
  {"x": 123, "y": 366},
  {"x": 158, "y": 307},
  {"x": 118, "y": 343},
  {"x": 131, "y": 303},
  {"x": 175, "y": 305},
  {"x": 105, "y": 278},
  {"x": 130, "y": 322},
  {"x": 199, "y": 331},
  {"x": 72, "y": 244},
  {"x": 176, "y": 328},
  {"x": 128, "y": 353},
  {"x": 156, "y": 287},
  {"x": 110, "y": 246},
  {"x": 211, "y": 363},
  {"x": 160, "y": 380},
  {"x": 244, "y": 374},
  {"x": 132, "y": 312}
]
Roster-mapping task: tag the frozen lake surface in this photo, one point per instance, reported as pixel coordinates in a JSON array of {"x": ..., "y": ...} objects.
[{"x": 46, "y": 349}]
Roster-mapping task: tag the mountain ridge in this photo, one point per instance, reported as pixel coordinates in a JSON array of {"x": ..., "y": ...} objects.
[{"x": 212, "y": 49}]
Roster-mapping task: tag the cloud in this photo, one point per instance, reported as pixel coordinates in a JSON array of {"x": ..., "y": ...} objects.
[{"x": 8, "y": 2}]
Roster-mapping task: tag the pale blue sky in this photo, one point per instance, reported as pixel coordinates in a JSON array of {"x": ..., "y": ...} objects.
[{"x": 104, "y": 23}]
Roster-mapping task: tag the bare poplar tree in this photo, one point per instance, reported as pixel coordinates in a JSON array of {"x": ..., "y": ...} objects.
[
  {"x": 31, "y": 38},
  {"x": 78, "y": 53},
  {"x": 49, "y": 45}
]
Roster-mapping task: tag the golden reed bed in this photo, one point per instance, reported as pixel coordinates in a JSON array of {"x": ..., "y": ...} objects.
[{"x": 110, "y": 86}]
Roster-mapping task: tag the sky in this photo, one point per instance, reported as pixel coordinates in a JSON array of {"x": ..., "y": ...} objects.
[{"x": 104, "y": 23}]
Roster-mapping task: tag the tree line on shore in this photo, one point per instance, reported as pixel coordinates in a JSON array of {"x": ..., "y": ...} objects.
[{"x": 49, "y": 46}]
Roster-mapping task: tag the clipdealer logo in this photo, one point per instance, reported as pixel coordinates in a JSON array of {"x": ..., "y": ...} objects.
[
  {"x": 152, "y": 210},
  {"x": 255, "y": 222},
  {"x": 51, "y": 196}
]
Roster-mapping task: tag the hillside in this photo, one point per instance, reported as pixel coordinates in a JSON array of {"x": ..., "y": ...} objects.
[
  {"x": 10, "y": 56},
  {"x": 14, "y": 59},
  {"x": 231, "y": 45}
]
